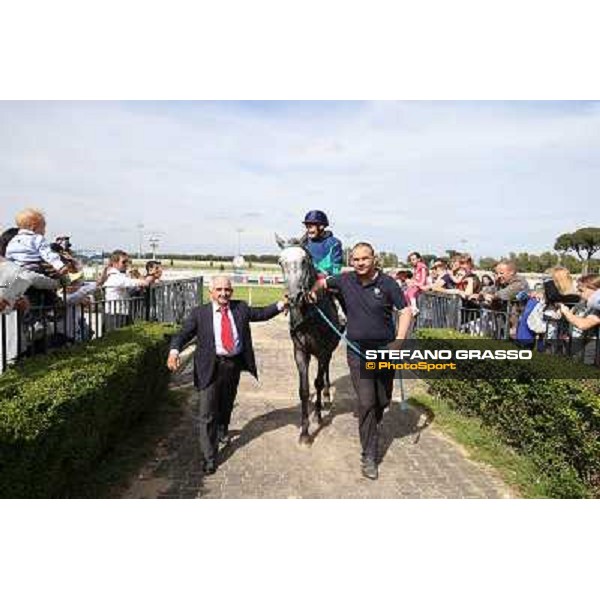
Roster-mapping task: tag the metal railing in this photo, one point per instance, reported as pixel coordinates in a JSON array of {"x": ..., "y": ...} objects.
[
  {"x": 450, "y": 311},
  {"x": 43, "y": 328}
]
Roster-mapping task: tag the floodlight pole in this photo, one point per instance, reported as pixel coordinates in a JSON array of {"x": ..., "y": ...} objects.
[
  {"x": 154, "y": 241},
  {"x": 141, "y": 239},
  {"x": 239, "y": 237}
]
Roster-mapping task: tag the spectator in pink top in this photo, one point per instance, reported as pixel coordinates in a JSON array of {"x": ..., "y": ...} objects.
[{"x": 418, "y": 283}]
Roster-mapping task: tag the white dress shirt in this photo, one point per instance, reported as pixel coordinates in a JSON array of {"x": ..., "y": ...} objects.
[
  {"x": 117, "y": 286},
  {"x": 217, "y": 316}
]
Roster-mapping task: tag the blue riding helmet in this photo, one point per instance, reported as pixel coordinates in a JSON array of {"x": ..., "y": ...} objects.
[{"x": 318, "y": 217}]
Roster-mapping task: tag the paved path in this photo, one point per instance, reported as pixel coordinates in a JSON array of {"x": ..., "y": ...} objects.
[{"x": 266, "y": 461}]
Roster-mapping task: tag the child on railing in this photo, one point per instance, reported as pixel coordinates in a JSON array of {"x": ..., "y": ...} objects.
[{"x": 30, "y": 250}]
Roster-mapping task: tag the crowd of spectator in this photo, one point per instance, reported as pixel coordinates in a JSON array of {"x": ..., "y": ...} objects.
[
  {"x": 558, "y": 308},
  {"x": 457, "y": 276},
  {"x": 44, "y": 281},
  {"x": 561, "y": 311}
]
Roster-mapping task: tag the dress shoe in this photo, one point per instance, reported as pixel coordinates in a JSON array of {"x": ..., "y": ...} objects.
[
  {"x": 364, "y": 458},
  {"x": 369, "y": 469},
  {"x": 210, "y": 467}
]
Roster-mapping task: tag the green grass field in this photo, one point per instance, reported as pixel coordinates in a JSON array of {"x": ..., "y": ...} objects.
[{"x": 258, "y": 295}]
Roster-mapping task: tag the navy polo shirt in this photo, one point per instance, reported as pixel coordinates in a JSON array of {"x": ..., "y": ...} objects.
[{"x": 369, "y": 306}]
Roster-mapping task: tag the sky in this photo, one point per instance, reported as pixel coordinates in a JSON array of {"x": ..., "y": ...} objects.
[{"x": 484, "y": 177}]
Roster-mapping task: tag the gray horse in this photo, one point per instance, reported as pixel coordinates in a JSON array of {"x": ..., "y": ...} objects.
[{"x": 311, "y": 334}]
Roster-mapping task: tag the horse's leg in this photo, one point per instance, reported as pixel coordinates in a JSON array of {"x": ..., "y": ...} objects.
[
  {"x": 326, "y": 389},
  {"x": 302, "y": 362},
  {"x": 319, "y": 384}
]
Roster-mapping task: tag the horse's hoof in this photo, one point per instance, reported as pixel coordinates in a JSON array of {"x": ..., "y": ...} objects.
[{"x": 304, "y": 440}]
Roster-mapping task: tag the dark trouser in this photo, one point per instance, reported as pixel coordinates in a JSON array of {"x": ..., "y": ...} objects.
[
  {"x": 374, "y": 395},
  {"x": 216, "y": 404}
]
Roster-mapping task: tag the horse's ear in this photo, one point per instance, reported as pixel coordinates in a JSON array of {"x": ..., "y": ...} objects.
[{"x": 280, "y": 241}]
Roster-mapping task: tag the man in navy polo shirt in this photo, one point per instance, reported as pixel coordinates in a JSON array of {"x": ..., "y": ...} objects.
[{"x": 373, "y": 302}]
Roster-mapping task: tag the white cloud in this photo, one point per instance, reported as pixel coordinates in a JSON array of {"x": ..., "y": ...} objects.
[{"x": 409, "y": 175}]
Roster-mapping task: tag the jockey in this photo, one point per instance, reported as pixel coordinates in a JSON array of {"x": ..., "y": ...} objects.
[{"x": 324, "y": 248}]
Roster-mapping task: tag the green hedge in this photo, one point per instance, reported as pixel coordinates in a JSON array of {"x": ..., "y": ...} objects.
[
  {"x": 556, "y": 422},
  {"x": 60, "y": 412}
]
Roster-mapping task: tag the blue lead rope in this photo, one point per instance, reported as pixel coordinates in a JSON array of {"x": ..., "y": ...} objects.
[
  {"x": 356, "y": 350},
  {"x": 341, "y": 335}
]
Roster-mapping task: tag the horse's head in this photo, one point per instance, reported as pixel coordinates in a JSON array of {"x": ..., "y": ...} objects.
[{"x": 297, "y": 267}]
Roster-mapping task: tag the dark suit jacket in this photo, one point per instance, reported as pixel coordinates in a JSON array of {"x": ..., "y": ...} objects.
[{"x": 200, "y": 325}]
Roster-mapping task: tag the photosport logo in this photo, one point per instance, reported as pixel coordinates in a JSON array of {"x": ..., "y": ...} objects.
[
  {"x": 434, "y": 360},
  {"x": 466, "y": 359}
]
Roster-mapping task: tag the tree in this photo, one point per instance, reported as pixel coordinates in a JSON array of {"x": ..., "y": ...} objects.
[
  {"x": 487, "y": 263},
  {"x": 548, "y": 260},
  {"x": 428, "y": 258},
  {"x": 573, "y": 264},
  {"x": 388, "y": 259},
  {"x": 584, "y": 242}
]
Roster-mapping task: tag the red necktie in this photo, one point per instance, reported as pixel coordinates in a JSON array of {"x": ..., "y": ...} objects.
[{"x": 226, "y": 331}]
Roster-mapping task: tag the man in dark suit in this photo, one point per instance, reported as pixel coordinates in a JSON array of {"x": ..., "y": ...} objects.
[{"x": 223, "y": 349}]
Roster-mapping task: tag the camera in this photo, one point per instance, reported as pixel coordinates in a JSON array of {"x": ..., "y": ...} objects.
[{"x": 64, "y": 241}]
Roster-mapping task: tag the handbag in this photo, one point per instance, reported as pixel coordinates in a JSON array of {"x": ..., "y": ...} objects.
[{"x": 535, "y": 320}]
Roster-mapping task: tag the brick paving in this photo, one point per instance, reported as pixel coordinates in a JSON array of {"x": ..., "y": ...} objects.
[{"x": 265, "y": 460}]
